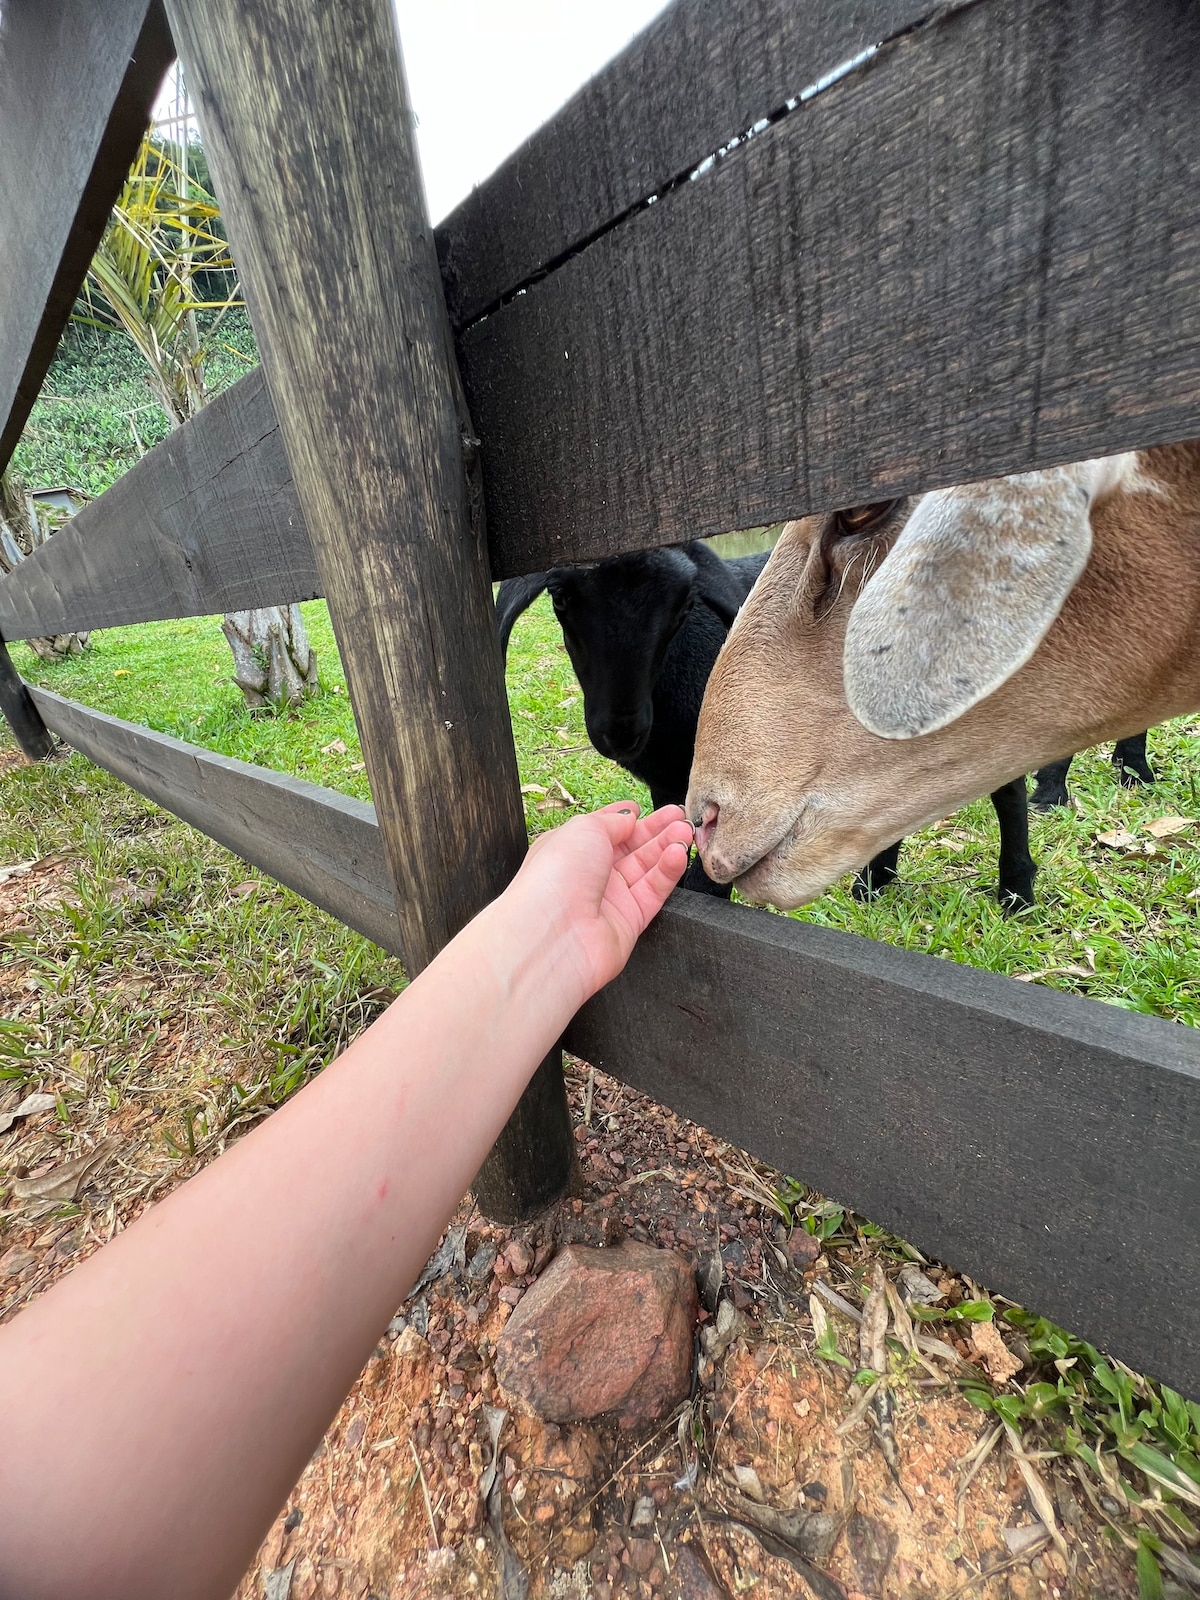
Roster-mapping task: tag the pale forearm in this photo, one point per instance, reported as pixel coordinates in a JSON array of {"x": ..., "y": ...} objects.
[{"x": 316, "y": 1224}]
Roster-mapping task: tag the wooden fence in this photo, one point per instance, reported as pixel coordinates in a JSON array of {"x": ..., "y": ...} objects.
[{"x": 713, "y": 291}]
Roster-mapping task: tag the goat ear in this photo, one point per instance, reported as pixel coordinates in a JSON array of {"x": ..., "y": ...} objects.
[
  {"x": 516, "y": 595},
  {"x": 717, "y": 584},
  {"x": 966, "y": 595}
]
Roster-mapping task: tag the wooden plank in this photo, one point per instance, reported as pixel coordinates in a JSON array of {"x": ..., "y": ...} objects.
[
  {"x": 208, "y": 521},
  {"x": 19, "y": 711},
  {"x": 322, "y": 844},
  {"x": 977, "y": 254},
  {"x": 77, "y": 84},
  {"x": 1043, "y": 1144},
  {"x": 701, "y": 74},
  {"x": 304, "y": 108}
]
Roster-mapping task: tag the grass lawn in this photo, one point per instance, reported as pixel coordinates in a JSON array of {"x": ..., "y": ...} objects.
[{"x": 1117, "y": 927}]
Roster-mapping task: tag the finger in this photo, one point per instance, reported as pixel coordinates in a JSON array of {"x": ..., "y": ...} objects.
[
  {"x": 653, "y": 887},
  {"x": 637, "y": 863},
  {"x": 619, "y": 821},
  {"x": 652, "y": 826}
]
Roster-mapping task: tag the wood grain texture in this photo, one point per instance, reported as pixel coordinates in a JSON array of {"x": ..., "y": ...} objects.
[
  {"x": 977, "y": 254},
  {"x": 309, "y": 134},
  {"x": 1043, "y": 1144},
  {"x": 207, "y": 522},
  {"x": 19, "y": 711},
  {"x": 700, "y": 74},
  {"x": 323, "y": 844},
  {"x": 77, "y": 84}
]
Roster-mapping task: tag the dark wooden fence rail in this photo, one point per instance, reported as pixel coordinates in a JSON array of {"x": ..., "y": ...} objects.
[
  {"x": 1044, "y": 1144},
  {"x": 77, "y": 83},
  {"x": 956, "y": 262},
  {"x": 961, "y": 259}
]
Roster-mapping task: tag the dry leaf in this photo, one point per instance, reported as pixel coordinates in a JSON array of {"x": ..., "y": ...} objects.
[
  {"x": 532, "y": 788},
  {"x": 872, "y": 1332},
  {"x": 552, "y": 803},
  {"x": 917, "y": 1287},
  {"x": 358, "y": 766},
  {"x": 1038, "y": 1493},
  {"x": 65, "y": 1182},
  {"x": 565, "y": 792},
  {"x": 277, "y": 1585},
  {"x": 29, "y": 1107},
  {"x": 1117, "y": 839},
  {"x": 17, "y": 870},
  {"x": 335, "y": 747},
  {"x": 991, "y": 1349},
  {"x": 242, "y": 891},
  {"x": 1162, "y": 827}
]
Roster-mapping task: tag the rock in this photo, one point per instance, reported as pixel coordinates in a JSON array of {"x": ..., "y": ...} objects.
[
  {"x": 802, "y": 1249},
  {"x": 692, "y": 1578},
  {"x": 603, "y": 1331},
  {"x": 642, "y": 1553},
  {"x": 519, "y": 1257},
  {"x": 15, "y": 1261}
]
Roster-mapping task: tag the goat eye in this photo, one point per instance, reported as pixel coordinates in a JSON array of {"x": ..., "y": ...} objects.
[{"x": 857, "y": 519}]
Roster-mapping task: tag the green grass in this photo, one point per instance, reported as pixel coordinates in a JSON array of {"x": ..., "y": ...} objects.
[
  {"x": 282, "y": 986},
  {"x": 97, "y": 402},
  {"x": 1122, "y": 929}
]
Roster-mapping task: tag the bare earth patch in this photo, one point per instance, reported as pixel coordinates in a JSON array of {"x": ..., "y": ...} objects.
[{"x": 776, "y": 1473}]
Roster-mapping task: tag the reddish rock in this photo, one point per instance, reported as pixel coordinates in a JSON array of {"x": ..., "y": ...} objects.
[
  {"x": 519, "y": 1256},
  {"x": 802, "y": 1249},
  {"x": 15, "y": 1261},
  {"x": 603, "y": 1331}
]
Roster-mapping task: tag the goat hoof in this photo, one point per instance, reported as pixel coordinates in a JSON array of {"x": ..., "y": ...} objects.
[
  {"x": 1016, "y": 897},
  {"x": 864, "y": 888},
  {"x": 1132, "y": 775},
  {"x": 1047, "y": 799}
]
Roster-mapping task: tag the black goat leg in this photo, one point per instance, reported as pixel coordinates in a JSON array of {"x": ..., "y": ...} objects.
[
  {"x": 1050, "y": 785},
  {"x": 1129, "y": 758},
  {"x": 1017, "y": 867},
  {"x": 878, "y": 872}
]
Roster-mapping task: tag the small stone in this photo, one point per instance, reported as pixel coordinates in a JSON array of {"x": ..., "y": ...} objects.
[
  {"x": 410, "y": 1346},
  {"x": 603, "y": 1331},
  {"x": 802, "y": 1249},
  {"x": 519, "y": 1257},
  {"x": 643, "y": 1514},
  {"x": 479, "y": 1268},
  {"x": 512, "y": 1295},
  {"x": 641, "y": 1553}
]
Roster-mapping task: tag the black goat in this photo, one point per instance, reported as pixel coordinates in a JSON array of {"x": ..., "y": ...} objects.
[
  {"x": 643, "y": 633},
  {"x": 1128, "y": 757}
]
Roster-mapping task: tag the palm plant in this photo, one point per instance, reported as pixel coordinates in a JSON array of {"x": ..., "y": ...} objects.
[{"x": 162, "y": 246}]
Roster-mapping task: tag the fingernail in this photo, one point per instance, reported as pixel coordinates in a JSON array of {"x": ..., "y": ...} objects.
[{"x": 625, "y": 812}]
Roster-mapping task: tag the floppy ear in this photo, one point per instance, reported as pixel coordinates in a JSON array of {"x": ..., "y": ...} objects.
[
  {"x": 718, "y": 587},
  {"x": 966, "y": 594},
  {"x": 516, "y": 595}
]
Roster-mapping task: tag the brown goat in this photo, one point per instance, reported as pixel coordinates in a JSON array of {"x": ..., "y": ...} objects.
[{"x": 897, "y": 661}]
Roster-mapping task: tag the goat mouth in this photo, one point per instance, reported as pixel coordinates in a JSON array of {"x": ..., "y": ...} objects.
[{"x": 779, "y": 843}]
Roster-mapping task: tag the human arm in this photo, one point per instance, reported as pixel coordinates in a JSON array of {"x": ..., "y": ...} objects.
[{"x": 157, "y": 1405}]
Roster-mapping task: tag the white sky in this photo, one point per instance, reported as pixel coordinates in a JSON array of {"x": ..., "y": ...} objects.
[{"x": 483, "y": 74}]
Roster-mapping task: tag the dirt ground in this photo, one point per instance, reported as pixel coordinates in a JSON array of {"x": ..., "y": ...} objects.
[{"x": 775, "y": 1476}]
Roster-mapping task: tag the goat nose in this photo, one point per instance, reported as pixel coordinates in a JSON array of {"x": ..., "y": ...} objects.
[{"x": 706, "y": 824}]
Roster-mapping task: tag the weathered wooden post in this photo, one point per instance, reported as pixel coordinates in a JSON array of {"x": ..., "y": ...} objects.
[
  {"x": 20, "y": 713},
  {"x": 307, "y": 126}
]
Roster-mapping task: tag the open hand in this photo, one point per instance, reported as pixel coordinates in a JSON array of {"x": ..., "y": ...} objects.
[{"x": 598, "y": 880}]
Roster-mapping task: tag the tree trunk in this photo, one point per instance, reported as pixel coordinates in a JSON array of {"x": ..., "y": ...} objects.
[{"x": 276, "y": 665}]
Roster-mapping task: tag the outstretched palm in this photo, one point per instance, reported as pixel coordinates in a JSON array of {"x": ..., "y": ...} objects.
[{"x": 603, "y": 877}]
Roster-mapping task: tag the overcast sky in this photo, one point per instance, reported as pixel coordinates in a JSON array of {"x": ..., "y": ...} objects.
[{"x": 483, "y": 74}]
